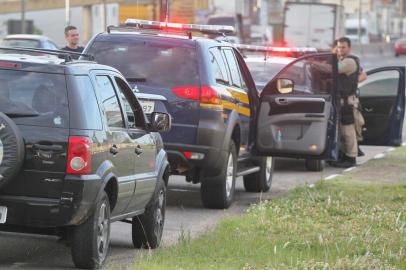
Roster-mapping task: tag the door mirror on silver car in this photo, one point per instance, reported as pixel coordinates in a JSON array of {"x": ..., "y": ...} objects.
[
  {"x": 285, "y": 86},
  {"x": 160, "y": 122}
]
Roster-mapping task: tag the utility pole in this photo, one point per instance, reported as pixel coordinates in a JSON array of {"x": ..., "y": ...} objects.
[
  {"x": 360, "y": 24},
  {"x": 23, "y": 24},
  {"x": 104, "y": 16},
  {"x": 401, "y": 7},
  {"x": 67, "y": 12}
]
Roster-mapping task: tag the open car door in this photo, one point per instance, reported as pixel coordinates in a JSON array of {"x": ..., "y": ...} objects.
[
  {"x": 382, "y": 98},
  {"x": 297, "y": 115}
]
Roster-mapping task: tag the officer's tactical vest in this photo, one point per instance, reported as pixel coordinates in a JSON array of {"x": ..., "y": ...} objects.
[{"x": 348, "y": 84}]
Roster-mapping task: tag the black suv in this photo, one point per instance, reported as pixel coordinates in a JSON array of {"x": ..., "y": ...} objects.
[
  {"x": 77, "y": 153},
  {"x": 206, "y": 87}
]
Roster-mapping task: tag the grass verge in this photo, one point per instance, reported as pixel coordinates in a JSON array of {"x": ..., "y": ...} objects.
[{"x": 357, "y": 221}]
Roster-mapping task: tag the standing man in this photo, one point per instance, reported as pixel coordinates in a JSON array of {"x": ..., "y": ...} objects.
[
  {"x": 348, "y": 69},
  {"x": 72, "y": 40}
]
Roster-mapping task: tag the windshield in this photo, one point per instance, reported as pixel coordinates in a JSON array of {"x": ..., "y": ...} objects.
[
  {"x": 32, "y": 43},
  {"x": 150, "y": 63},
  {"x": 32, "y": 98},
  {"x": 263, "y": 72}
]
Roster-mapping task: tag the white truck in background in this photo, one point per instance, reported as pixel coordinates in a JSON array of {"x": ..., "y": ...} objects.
[{"x": 313, "y": 24}]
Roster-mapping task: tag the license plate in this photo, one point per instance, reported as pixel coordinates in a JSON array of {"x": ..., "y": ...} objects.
[
  {"x": 3, "y": 214},
  {"x": 147, "y": 106}
]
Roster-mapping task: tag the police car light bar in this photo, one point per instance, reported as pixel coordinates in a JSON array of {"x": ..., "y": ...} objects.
[
  {"x": 254, "y": 48},
  {"x": 205, "y": 29}
]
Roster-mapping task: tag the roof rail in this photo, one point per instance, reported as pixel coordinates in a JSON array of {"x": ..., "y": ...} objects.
[
  {"x": 135, "y": 24},
  {"x": 66, "y": 55}
]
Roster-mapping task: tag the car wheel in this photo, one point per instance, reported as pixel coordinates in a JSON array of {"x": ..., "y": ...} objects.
[
  {"x": 91, "y": 239},
  {"x": 314, "y": 165},
  {"x": 11, "y": 149},
  {"x": 147, "y": 228},
  {"x": 218, "y": 193},
  {"x": 260, "y": 181}
]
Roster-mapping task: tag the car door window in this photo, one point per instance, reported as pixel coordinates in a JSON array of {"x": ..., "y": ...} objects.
[
  {"x": 218, "y": 66},
  {"x": 233, "y": 67},
  {"x": 312, "y": 76},
  {"x": 381, "y": 84},
  {"x": 133, "y": 110},
  {"x": 110, "y": 102}
]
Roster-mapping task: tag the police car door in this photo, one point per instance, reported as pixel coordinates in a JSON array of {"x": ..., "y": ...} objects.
[
  {"x": 382, "y": 98},
  {"x": 297, "y": 115}
]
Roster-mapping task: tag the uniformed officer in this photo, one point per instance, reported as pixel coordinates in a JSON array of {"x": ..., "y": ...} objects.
[
  {"x": 348, "y": 69},
  {"x": 359, "y": 120}
]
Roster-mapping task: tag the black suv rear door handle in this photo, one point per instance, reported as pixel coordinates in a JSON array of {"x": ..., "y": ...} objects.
[
  {"x": 114, "y": 150},
  {"x": 138, "y": 150}
]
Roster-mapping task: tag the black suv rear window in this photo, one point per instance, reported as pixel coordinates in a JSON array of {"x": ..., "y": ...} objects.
[
  {"x": 149, "y": 63},
  {"x": 31, "y": 98}
]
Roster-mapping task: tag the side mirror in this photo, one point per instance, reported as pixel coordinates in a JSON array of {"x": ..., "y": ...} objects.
[
  {"x": 160, "y": 122},
  {"x": 285, "y": 86}
]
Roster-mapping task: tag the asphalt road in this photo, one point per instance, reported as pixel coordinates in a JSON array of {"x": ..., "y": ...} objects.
[{"x": 185, "y": 214}]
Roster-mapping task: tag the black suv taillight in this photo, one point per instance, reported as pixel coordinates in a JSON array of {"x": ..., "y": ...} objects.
[{"x": 79, "y": 155}]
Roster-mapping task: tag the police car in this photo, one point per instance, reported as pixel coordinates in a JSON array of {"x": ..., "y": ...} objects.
[{"x": 222, "y": 127}]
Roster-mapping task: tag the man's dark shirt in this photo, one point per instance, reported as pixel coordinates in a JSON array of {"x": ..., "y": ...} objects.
[{"x": 77, "y": 50}]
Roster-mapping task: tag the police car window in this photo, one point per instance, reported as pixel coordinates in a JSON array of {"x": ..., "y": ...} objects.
[
  {"x": 233, "y": 66},
  {"x": 312, "y": 75},
  {"x": 110, "y": 102},
  {"x": 35, "y": 99},
  {"x": 134, "y": 115},
  {"x": 151, "y": 63},
  {"x": 380, "y": 84},
  {"x": 218, "y": 66}
]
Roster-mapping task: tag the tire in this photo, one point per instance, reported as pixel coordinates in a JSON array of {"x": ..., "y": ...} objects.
[
  {"x": 218, "y": 193},
  {"x": 11, "y": 149},
  {"x": 147, "y": 228},
  {"x": 260, "y": 181},
  {"x": 314, "y": 165},
  {"x": 90, "y": 248}
]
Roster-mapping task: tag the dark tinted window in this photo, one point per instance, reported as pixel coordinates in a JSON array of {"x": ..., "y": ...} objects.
[
  {"x": 233, "y": 66},
  {"x": 37, "y": 99},
  {"x": 33, "y": 43},
  {"x": 150, "y": 63},
  {"x": 134, "y": 114},
  {"x": 218, "y": 66},
  {"x": 90, "y": 116},
  {"x": 110, "y": 102}
]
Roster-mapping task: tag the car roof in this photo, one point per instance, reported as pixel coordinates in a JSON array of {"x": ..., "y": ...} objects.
[
  {"x": 165, "y": 35},
  {"x": 53, "y": 64}
]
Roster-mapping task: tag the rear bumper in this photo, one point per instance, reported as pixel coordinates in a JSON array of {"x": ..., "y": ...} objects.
[
  {"x": 209, "y": 164},
  {"x": 76, "y": 203}
]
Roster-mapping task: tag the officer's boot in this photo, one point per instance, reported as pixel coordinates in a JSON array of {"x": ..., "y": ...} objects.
[{"x": 345, "y": 162}]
